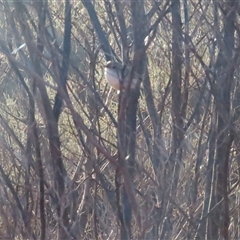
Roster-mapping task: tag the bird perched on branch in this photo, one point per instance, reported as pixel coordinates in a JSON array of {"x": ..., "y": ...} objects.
[{"x": 116, "y": 74}]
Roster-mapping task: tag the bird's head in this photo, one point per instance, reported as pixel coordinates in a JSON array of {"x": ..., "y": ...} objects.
[{"x": 114, "y": 65}]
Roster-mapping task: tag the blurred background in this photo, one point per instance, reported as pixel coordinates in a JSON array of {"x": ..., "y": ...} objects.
[{"x": 79, "y": 161}]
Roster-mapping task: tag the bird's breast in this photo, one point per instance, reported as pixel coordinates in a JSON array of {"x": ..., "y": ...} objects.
[{"x": 112, "y": 78}]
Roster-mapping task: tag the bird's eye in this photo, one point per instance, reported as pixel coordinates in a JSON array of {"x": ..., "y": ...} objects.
[{"x": 114, "y": 67}]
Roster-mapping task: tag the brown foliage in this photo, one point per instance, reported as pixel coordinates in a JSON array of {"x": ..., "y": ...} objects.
[{"x": 79, "y": 161}]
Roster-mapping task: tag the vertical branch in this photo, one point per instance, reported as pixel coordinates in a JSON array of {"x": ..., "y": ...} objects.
[
  {"x": 176, "y": 77},
  {"x": 187, "y": 61},
  {"x": 98, "y": 28},
  {"x": 40, "y": 8},
  {"x": 123, "y": 28},
  {"x": 65, "y": 61},
  {"x": 207, "y": 227},
  {"x": 128, "y": 104},
  {"x": 172, "y": 171},
  {"x": 60, "y": 173},
  {"x": 224, "y": 80}
]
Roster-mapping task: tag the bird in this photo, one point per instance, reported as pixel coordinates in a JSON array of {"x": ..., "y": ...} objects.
[{"x": 115, "y": 73}]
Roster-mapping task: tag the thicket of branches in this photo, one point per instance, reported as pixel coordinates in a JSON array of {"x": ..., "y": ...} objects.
[{"x": 79, "y": 161}]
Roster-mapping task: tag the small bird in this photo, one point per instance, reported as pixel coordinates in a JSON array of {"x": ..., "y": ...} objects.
[{"x": 115, "y": 73}]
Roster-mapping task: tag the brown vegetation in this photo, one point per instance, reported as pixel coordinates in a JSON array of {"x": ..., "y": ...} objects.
[{"x": 79, "y": 161}]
